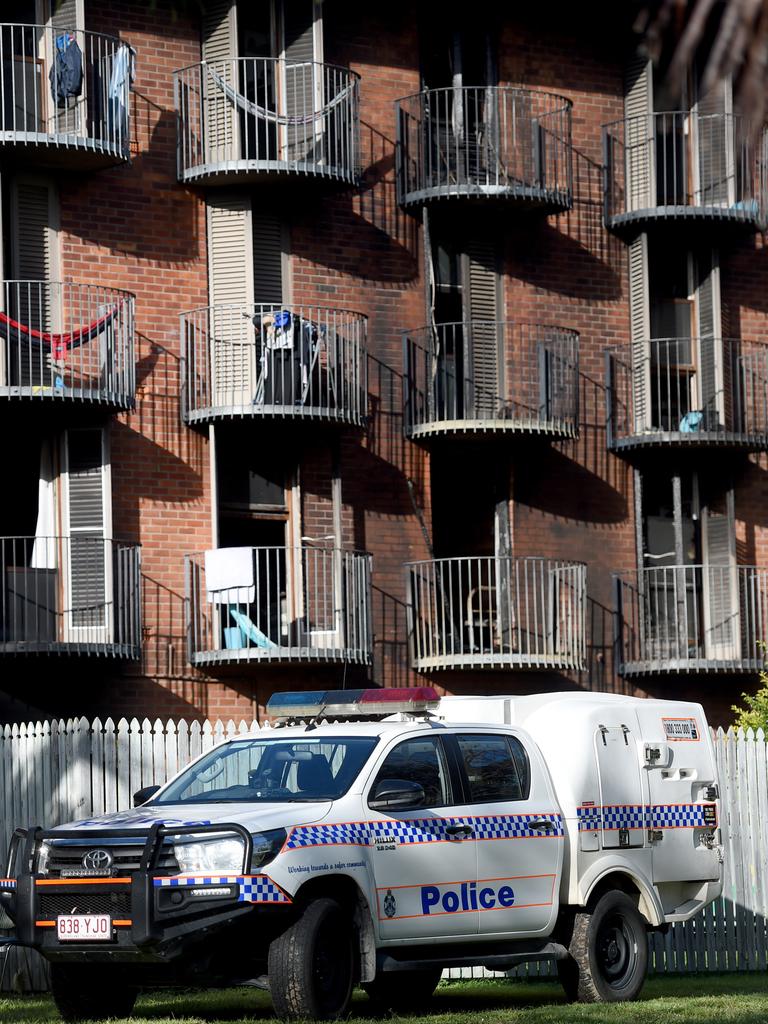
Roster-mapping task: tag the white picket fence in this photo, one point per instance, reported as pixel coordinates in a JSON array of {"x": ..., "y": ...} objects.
[{"x": 52, "y": 772}]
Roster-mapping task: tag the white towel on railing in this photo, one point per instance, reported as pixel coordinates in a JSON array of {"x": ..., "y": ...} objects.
[{"x": 229, "y": 575}]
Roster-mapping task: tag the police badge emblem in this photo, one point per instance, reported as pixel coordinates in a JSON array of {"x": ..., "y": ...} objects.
[{"x": 390, "y": 906}]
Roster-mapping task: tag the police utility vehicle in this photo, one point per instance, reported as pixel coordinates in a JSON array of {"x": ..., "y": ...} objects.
[{"x": 378, "y": 837}]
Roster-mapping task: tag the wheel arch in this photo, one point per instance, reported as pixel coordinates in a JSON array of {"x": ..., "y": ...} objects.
[
  {"x": 346, "y": 891},
  {"x": 623, "y": 878}
]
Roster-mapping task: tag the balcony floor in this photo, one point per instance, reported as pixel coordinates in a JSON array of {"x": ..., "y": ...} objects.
[
  {"x": 73, "y": 649},
  {"x": 281, "y": 655},
  {"x": 746, "y": 216},
  {"x": 529, "y": 428},
  {"x": 246, "y": 172},
  {"x": 692, "y": 439},
  {"x": 697, "y": 666},
  {"x": 495, "y": 661},
  {"x": 528, "y": 197},
  {"x": 61, "y": 151},
  {"x": 317, "y": 414}
]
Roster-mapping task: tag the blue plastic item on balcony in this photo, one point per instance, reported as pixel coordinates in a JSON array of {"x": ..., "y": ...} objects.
[
  {"x": 691, "y": 422},
  {"x": 253, "y": 633}
]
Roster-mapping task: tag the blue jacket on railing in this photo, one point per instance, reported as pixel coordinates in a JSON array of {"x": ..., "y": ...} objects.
[{"x": 66, "y": 75}]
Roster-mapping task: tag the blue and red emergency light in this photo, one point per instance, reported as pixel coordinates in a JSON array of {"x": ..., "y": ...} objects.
[{"x": 353, "y": 703}]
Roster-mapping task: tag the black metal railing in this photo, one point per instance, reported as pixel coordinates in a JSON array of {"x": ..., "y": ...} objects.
[
  {"x": 683, "y": 618},
  {"x": 297, "y": 362},
  {"x": 502, "y": 141},
  {"x": 67, "y": 342},
  {"x": 79, "y": 594},
  {"x": 684, "y": 164},
  {"x": 497, "y": 612},
  {"x": 62, "y": 89},
  {"x": 257, "y": 115},
  {"x": 278, "y": 604},
  {"x": 689, "y": 391},
  {"x": 487, "y": 376}
]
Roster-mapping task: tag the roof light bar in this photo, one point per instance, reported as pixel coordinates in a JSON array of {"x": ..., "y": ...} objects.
[{"x": 353, "y": 703}]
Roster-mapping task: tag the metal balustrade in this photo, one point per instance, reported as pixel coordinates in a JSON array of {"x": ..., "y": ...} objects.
[
  {"x": 295, "y": 362},
  {"x": 278, "y": 604},
  {"x": 692, "y": 618},
  {"x": 485, "y": 141},
  {"x": 67, "y": 342},
  {"x": 494, "y": 612},
  {"x": 257, "y": 116},
  {"x": 486, "y": 376},
  {"x": 688, "y": 391},
  {"x": 684, "y": 164},
  {"x": 70, "y": 595},
  {"x": 80, "y": 124}
]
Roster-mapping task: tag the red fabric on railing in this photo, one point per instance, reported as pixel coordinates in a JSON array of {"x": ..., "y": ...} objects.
[{"x": 59, "y": 343}]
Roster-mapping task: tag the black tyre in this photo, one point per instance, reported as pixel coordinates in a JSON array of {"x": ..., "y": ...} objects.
[
  {"x": 608, "y": 952},
  {"x": 312, "y": 964},
  {"x": 404, "y": 990},
  {"x": 91, "y": 992}
]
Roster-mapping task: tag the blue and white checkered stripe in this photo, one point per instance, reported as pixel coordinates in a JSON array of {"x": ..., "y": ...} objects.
[
  {"x": 420, "y": 830},
  {"x": 252, "y": 888},
  {"x": 594, "y": 817},
  {"x": 7, "y": 883}
]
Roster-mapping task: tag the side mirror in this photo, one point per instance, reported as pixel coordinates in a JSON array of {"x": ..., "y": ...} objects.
[
  {"x": 397, "y": 795},
  {"x": 142, "y": 795}
]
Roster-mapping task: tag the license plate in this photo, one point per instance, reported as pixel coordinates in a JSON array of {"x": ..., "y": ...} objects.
[{"x": 84, "y": 928}]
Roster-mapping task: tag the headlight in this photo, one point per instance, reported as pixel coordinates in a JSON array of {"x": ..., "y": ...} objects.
[
  {"x": 266, "y": 846},
  {"x": 212, "y": 856},
  {"x": 43, "y": 856}
]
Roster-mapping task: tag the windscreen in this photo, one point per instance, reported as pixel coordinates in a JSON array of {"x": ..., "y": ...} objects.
[{"x": 266, "y": 770}]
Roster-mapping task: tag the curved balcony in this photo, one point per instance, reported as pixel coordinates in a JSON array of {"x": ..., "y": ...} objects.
[
  {"x": 688, "y": 392},
  {"x": 278, "y": 605},
  {"x": 78, "y": 595},
  {"x": 486, "y": 377},
  {"x": 485, "y": 142},
  {"x": 486, "y": 612},
  {"x": 683, "y": 165},
  {"x": 692, "y": 618},
  {"x": 67, "y": 343},
  {"x": 252, "y": 118},
  {"x": 80, "y": 122},
  {"x": 289, "y": 362}
]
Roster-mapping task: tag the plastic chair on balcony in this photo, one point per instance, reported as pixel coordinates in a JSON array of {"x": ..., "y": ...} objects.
[{"x": 251, "y": 632}]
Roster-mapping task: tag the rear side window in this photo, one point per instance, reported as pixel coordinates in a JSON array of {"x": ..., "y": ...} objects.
[{"x": 496, "y": 767}]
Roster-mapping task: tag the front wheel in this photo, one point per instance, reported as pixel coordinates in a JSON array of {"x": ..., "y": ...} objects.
[
  {"x": 90, "y": 992},
  {"x": 311, "y": 965},
  {"x": 608, "y": 952}
]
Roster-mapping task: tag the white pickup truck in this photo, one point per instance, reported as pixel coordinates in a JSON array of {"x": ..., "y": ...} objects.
[{"x": 378, "y": 837}]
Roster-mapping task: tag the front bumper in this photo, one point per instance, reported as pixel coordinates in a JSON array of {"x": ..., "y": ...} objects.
[{"x": 153, "y": 917}]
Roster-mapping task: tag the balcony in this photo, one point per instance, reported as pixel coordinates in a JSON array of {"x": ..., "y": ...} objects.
[
  {"x": 692, "y": 618},
  {"x": 80, "y": 124},
  {"x": 683, "y": 166},
  {"x": 278, "y": 605},
  {"x": 483, "y": 377},
  {"x": 485, "y": 142},
  {"x": 502, "y": 613},
  {"x": 78, "y": 595},
  {"x": 254, "y": 118},
  {"x": 286, "y": 362},
  {"x": 664, "y": 399},
  {"x": 67, "y": 343}
]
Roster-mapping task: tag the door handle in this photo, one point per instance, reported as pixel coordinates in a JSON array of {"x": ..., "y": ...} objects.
[
  {"x": 541, "y": 824},
  {"x": 461, "y": 831}
]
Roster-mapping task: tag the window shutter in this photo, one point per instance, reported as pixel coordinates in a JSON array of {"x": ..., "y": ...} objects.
[
  {"x": 483, "y": 390},
  {"x": 715, "y": 171},
  {"x": 722, "y": 632},
  {"x": 639, "y": 325},
  {"x": 219, "y": 48},
  {"x": 639, "y": 130},
  {"x": 303, "y": 83},
  {"x": 87, "y": 563},
  {"x": 267, "y": 257},
  {"x": 710, "y": 378},
  {"x": 230, "y": 271}
]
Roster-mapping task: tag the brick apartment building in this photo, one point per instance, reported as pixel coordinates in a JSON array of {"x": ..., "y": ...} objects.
[{"x": 437, "y": 310}]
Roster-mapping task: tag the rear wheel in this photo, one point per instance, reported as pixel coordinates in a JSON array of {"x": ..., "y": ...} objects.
[
  {"x": 404, "y": 990},
  {"x": 91, "y": 992},
  {"x": 311, "y": 965},
  {"x": 608, "y": 951}
]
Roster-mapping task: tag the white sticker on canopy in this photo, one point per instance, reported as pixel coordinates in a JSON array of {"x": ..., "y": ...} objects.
[{"x": 684, "y": 730}]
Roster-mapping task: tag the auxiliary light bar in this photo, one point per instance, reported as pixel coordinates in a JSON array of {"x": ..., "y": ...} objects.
[{"x": 352, "y": 703}]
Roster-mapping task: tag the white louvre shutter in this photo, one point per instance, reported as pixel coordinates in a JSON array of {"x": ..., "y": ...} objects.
[
  {"x": 230, "y": 272},
  {"x": 88, "y": 567},
  {"x": 220, "y": 50},
  {"x": 722, "y": 629},
  {"x": 302, "y": 81},
  {"x": 639, "y": 133},
  {"x": 714, "y": 167},
  {"x": 710, "y": 375},
  {"x": 640, "y": 330},
  {"x": 483, "y": 391}
]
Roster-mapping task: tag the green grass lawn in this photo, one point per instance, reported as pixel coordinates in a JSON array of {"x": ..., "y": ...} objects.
[{"x": 742, "y": 999}]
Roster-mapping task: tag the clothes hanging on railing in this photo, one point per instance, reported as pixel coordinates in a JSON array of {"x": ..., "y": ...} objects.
[
  {"x": 11, "y": 330},
  {"x": 120, "y": 81},
  {"x": 66, "y": 74},
  {"x": 249, "y": 107},
  {"x": 290, "y": 349}
]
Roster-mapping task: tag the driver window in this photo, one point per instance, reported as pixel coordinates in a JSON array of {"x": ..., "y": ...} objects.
[{"x": 419, "y": 760}]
